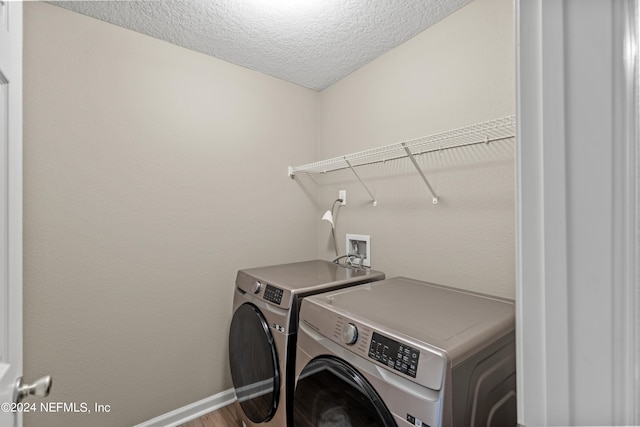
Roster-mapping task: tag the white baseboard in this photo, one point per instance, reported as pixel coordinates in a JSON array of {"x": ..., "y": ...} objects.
[{"x": 192, "y": 410}]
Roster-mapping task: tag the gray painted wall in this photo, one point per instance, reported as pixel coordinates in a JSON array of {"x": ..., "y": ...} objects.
[
  {"x": 459, "y": 72},
  {"x": 152, "y": 174}
]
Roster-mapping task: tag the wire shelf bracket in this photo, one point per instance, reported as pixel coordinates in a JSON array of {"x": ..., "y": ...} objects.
[
  {"x": 481, "y": 133},
  {"x": 421, "y": 173},
  {"x": 373, "y": 198}
]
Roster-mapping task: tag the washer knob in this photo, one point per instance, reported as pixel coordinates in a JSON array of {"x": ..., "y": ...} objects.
[
  {"x": 349, "y": 334},
  {"x": 255, "y": 288}
]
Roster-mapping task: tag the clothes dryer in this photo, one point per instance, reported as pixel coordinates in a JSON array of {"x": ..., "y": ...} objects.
[
  {"x": 262, "y": 336},
  {"x": 400, "y": 353}
]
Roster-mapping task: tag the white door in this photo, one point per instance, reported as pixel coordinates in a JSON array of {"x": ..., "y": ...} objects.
[{"x": 10, "y": 208}]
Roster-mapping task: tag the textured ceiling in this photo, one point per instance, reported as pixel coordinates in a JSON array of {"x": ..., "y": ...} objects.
[{"x": 313, "y": 43}]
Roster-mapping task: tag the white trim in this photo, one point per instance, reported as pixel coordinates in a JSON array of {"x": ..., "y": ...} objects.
[
  {"x": 257, "y": 389},
  {"x": 633, "y": 45},
  {"x": 192, "y": 411},
  {"x": 626, "y": 194},
  {"x": 11, "y": 185},
  {"x": 542, "y": 338},
  {"x": 578, "y": 219}
]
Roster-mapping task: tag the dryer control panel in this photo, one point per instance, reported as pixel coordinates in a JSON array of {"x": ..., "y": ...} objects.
[
  {"x": 264, "y": 291},
  {"x": 398, "y": 356},
  {"x": 273, "y": 294}
]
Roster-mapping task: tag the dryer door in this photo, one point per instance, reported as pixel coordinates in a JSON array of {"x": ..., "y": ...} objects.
[
  {"x": 254, "y": 364},
  {"x": 330, "y": 392}
]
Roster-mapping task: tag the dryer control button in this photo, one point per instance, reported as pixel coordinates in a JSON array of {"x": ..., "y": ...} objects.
[
  {"x": 349, "y": 334},
  {"x": 255, "y": 288}
]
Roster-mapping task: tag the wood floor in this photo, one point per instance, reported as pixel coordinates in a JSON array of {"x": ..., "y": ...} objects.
[{"x": 223, "y": 417}]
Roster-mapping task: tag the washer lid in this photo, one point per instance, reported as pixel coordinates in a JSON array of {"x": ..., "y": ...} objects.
[{"x": 453, "y": 320}]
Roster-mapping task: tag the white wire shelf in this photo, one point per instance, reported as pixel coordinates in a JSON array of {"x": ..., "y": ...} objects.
[{"x": 480, "y": 133}]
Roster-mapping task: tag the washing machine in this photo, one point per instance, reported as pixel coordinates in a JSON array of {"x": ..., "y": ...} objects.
[
  {"x": 262, "y": 336},
  {"x": 402, "y": 352}
]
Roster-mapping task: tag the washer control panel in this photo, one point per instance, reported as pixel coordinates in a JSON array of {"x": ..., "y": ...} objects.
[
  {"x": 273, "y": 294},
  {"x": 414, "y": 360},
  {"x": 398, "y": 356}
]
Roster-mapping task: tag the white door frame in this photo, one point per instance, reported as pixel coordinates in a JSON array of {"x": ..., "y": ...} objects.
[
  {"x": 10, "y": 206},
  {"x": 578, "y": 306}
]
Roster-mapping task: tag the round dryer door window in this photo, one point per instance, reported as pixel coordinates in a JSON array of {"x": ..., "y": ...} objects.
[
  {"x": 330, "y": 392},
  {"x": 254, "y": 364}
]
